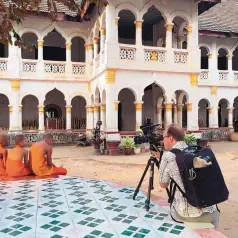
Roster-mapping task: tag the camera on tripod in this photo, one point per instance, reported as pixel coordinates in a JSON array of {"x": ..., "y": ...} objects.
[{"x": 150, "y": 136}]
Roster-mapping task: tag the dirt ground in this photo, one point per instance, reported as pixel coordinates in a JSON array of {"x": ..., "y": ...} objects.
[{"x": 127, "y": 170}]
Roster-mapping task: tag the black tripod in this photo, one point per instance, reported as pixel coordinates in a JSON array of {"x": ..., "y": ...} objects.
[{"x": 151, "y": 162}]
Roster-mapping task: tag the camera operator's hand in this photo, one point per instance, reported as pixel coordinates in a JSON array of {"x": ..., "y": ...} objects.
[{"x": 156, "y": 154}]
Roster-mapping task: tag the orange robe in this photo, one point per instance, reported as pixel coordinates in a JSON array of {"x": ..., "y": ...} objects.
[
  {"x": 3, "y": 158},
  {"x": 38, "y": 163},
  {"x": 16, "y": 168}
]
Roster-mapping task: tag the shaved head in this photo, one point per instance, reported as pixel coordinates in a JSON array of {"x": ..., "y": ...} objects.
[
  {"x": 3, "y": 138},
  {"x": 19, "y": 139},
  {"x": 48, "y": 137}
]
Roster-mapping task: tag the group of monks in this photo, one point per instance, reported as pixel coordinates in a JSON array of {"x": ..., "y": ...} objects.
[{"x": 18, "y": 162}]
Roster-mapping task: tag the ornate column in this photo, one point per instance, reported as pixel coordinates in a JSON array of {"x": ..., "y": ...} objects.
[
  {"x": 169, "y": 29},
  {"x": 179, "y": 42},
  {"x": 189, "y": 29},
  {"x": 89, "y": 111},
  {"x": 102, "y": 37},
  {"x": 139, "y": 32},
  {"x": 41, "y": 118},
  {"x": 103, "y": 116},
  {"x": 40, "y": 63},
  {"x": 214, "y": 107},
  {"x": 138, "y": 106},
  {"x": 96, "y": 114},
  {"x": 230, "y": 72},
  {"x": 168, "y": 114},
  {"x": 189, "y": 116},
  {"x": 68, "y": 68},
  {"x": 159, "y": 115},
  {"x": 180, "y": 114},
  {"x": 20, "y": 116},
  {"x": 210, "y": 116},
  {"x": 89, "y": 52},
  {"x": 193, "y": 123},
  {"x": 112, "y": 108},
  {"x": 230, "y": 117},
  {"x": 95, "y": 47},
  {"x": 14, "y": 116},
  {"x": 175, "y": 114},
  {"x": 68, "y": 117}
]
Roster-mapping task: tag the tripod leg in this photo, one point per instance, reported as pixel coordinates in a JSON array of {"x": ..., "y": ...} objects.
[
  {"x": 141, "y": 180},
  {"x": 147, "y": 202}
]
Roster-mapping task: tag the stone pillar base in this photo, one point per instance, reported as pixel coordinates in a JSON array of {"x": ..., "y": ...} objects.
[{"x": 113, "y": 147}]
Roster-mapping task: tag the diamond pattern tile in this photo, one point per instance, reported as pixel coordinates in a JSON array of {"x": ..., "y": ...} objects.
[{"x": 74, "y": 207}]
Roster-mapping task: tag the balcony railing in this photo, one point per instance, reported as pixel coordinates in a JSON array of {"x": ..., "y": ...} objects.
[
  {"x": 127, "y": 52},
  {"x": 155, "y": 54},
  {"x": 180, "y": 56},
  {"x": 204, "y": 76},
  {"x": 223, "y": 76},
  {"x": 29, "y": 66},
  {"x": 3, "y": 64}
]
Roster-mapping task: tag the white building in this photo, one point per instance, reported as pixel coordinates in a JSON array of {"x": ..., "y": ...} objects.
[{"x": 138, "y": 59}]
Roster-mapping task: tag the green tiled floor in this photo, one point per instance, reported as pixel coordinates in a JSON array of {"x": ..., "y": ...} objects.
[{"x": 77, "y": 208}]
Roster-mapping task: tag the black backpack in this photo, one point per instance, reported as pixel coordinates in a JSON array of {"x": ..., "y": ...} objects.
[{"x": 204, "y": 187}]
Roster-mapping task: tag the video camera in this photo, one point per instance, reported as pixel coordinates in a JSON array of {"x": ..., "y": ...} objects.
[{"x": 150, "y": 136}]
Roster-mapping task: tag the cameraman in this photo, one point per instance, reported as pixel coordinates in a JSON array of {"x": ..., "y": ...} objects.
[{"x": 181, "y": 210}]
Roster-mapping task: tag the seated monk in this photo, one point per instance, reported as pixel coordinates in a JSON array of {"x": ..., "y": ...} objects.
[
  {"x": 3, "y": 154},
  {"x": 40, "y": 159},
  {"x": 14, "y": 165}
]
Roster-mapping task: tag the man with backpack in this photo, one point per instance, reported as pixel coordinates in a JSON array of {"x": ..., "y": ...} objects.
[{"x": 182, "y": 174}]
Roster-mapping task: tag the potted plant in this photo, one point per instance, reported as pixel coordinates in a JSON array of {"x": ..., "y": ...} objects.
[
  {"x": 190, "y": 139},
  {"x": 137, "y": 149},
  {"x": 128, "y": 145}
]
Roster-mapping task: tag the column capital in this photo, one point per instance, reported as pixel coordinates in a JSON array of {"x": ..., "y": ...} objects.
[
  {"x": 229, "y": 57},
  {"x": 116, "y": 105},
  {"x": 96, "y": 108},
  {"x": 169, "y": 27},
  {"x": 210, "y": 110},
  {"x": 209, "y": 56},
  {"x": 138, "y": 105},
  {"x": 189, "y": 107},
  {"x": 103, "y": 31},
  {"x": 20, "y": 108},
  {"x": 138, "y": 24},
  {"x": 194, "y": 80},
  {"x": 110, "y": 76},
  {"x": 68, "y": 46},
  {"x": 103, "y": 107},
  {"x": 159, "y": 110},
  {"x": 95, "y": 40},
  {"x": 189, "y": 29},
  {"x": 213, "y": 90},
  {"x": 68, "y": 108},
  {"x": 40, "y": 43},
  {"x": 10, "y": 109},
  {"x": 179, "y": 107},
  {"x": 15, "y": 84},
  {"x": 116, "y": 20},
  {"x": 168, "y": 107},
  {"x": 179, "y": 38},
  {"x": 89, "y": 108},
  {"x": 88, "y": 47},
  {"x": 230, "y": 110},
  {"x": 41, "y": 109}
]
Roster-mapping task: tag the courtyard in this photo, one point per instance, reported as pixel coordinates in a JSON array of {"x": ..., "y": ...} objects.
[{"x": 127, "y": 171}]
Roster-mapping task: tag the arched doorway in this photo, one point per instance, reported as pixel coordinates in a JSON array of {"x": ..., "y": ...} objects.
[
  {"x": 78, "y": 50},
  {"x": 235, "y": 114},
  {"x": 54, "y": 111},
  {"x": 204, "y": 58},
  {"x": 126, "y": 110},
  {"x": 222, "y": 60},
  {"x": 203, "y": 113},
  {"x": 30, "y": 39},
  {"x": 151, "y": 95},
  {"x": 4, "y": 112},
  {"x": 223, "y": 113},
  {"x": 30, "y": 113},
  {"x": 78, "y": 113}
]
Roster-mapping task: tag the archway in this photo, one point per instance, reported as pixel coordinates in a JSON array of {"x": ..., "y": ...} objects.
[
  {"x": 235, "y": 114},
  {"x": 203, "y": 113},
  {"x": 222, "y": 60},
  {"x": 235, "y": 60},
  {"x": 54, "y": 110},
  {"x": 204, "y": 58},
  {"x": 4, "y": 112},
  {"x": 151, "y": 95},
  {"x": 126, "y": 110},
  {"x": 153, "y": 28},
  {"x": 54, "y": 47},
  {"x": 179, "y": 33},
  {"x": 78, "y": 113},
  {"x": 30, "y": 113},
  {"x": 78, "y": 50},
  {"x": 126, "y": 27},
  {"x": 3, "y": 50},
  {"x": 223, "y": 113},
  {"x": 30, "y": 39}
]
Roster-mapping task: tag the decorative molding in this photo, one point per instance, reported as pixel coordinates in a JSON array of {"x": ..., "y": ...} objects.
[
  {"x": 103, "y": 107},
  {"x": 41, "y": 109},
  {"x": 194, "y": 80},
  {"x": 103, "y": 31},
  {"x": 10, "y": 109},
  {"x": 209, "y": 56},
  {"x": 138, "y": 106},
  {"x": 68, "y": 46},
  {"x": 68, "y": 109},
  {"x": 168, "y": 107},
  {"x": 40, "y": 43},
  {"x": 96, "y": 109},
  {"x": 189, "y": 29},
  {"x": 138, "y": 24},
  {"x": 15, "y": 84},
  {"x": 189, "y": 107},
  {"x": 213, "y": 90},
  {"x": 88, "y": 47},
  {"x": 89, "y": 109},
  {"x": 169, "y": 27}
]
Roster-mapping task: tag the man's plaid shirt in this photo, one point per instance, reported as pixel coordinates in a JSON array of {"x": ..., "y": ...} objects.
[{"x": 169, "y": 169}]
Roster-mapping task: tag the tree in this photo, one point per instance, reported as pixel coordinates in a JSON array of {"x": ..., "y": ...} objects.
[{"x": 14, "y": 11}]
